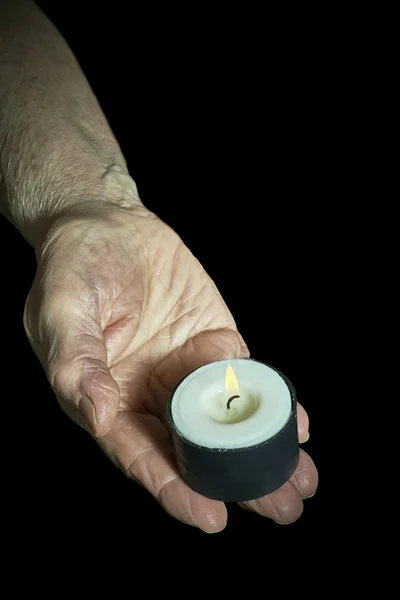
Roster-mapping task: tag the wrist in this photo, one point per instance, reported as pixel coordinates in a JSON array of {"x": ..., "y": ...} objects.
[{"x": 95, "y": 197}]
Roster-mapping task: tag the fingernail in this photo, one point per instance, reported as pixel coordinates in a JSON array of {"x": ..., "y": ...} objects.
[
  {"x": 208, "y": 531},
  {"x": 88, "y": 412},
  {"x": 306, "y": 440},
  {"x": 308, "y": 497}
]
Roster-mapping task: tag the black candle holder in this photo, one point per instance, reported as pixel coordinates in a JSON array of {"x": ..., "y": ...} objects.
[{"x": 239, "y": 474}]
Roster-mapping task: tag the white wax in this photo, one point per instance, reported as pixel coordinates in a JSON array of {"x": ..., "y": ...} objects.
[{"x": 199, "y": 410}]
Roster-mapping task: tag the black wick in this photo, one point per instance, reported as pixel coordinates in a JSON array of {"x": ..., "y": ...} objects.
[{"x": 228, "y": 404}]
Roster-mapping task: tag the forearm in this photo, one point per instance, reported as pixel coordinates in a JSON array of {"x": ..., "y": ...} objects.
[{"x": 56, "y": 148}]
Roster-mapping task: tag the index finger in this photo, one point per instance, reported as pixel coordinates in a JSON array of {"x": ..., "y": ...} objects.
[{"x": 302, "y": 424}]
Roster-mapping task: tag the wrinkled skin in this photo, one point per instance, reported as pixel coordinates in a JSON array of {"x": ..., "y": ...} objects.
[{"x": 119, "y": 311}]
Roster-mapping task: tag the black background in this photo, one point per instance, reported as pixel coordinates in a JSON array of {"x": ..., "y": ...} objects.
[{"x": 231, "y": 156}]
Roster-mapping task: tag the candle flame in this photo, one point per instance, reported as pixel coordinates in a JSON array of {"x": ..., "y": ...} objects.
[{"x": 231, "y": 383}]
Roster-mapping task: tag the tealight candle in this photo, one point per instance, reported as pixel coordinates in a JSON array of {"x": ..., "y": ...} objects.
[{"x": 234, "y": 426}]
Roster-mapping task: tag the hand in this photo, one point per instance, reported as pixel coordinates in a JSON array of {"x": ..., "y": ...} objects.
[{"x": 119, "y": 312}]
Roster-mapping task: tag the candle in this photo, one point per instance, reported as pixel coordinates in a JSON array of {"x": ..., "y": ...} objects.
[{"x": 234, "y": 428}]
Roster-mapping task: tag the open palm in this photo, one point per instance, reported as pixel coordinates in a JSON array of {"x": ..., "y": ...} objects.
[{"x": 119, "y": 312}]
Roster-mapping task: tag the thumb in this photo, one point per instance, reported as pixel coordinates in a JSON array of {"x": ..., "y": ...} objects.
[
  {"x": 72, "y": 350},
  {"x": 82, "y": 379}
]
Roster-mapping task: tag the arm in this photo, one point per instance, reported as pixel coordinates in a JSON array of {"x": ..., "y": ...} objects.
[
  {"x": 119, "y": 310},
  {"x": 56, "y": 148}
]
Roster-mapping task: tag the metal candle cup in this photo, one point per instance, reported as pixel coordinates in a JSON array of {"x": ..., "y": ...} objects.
[{"x": 234, "y": 444}]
